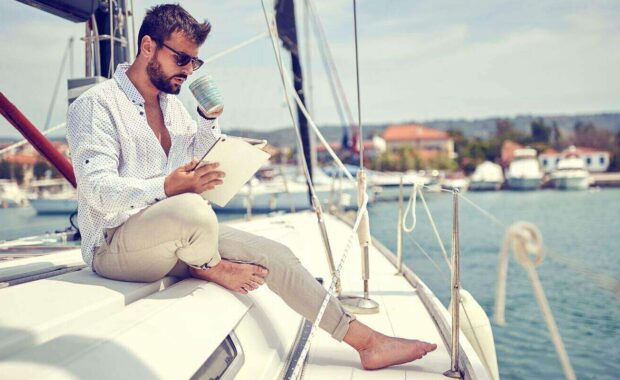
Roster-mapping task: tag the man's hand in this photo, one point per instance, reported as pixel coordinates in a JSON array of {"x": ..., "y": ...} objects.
[
  {"x": 214, "y": 114},
  {"x": 184, "y": 180}
]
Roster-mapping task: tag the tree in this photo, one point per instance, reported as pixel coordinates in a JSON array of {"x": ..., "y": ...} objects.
[
  {"x": 540, "y": 131},
  {"x": 505, "y": 130},
  {"x": 586, "y": 134},
  {"x": 614, "y": 165},
  {"x": 5, "y": 169}
]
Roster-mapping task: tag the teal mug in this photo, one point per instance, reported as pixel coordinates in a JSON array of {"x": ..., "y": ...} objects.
[{"x": 206, "y": 93}]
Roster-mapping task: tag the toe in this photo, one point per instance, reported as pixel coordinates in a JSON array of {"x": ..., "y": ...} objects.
[
  {"x": 256, "y": 284},
  {"x": 261, "y": 272},
  {"x": 258, "y": 279},
  {"x": 241, "y": 291}
]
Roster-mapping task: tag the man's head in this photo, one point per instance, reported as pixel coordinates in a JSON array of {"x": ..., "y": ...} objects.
[{"x": 168, "y": 43}]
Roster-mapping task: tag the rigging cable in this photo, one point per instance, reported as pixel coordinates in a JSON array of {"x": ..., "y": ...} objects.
[
  {"x": 362, "y": 207},
  {"x": 360, "y": 139}
]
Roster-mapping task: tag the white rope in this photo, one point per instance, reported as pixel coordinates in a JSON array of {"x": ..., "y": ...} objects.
[
  {"x": 411, "y": 207},
  {"x": 319, "y": 134},
  {"x": 271, "y": 26},
  {"x": 525, "y": 239},
  {"x": 236, "y": 47},
  {"x": 432, "y": 222},
  {"x": 24, "y": 142}
]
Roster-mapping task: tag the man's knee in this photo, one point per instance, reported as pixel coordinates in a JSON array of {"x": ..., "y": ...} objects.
[
  {"x": 191, "y": 209},
  {"x": 278, "y": 254}
]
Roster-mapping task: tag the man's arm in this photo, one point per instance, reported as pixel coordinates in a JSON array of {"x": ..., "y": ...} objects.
[
  {"x": 206, "y": 132},
  {"x": 95, "y": 152}
]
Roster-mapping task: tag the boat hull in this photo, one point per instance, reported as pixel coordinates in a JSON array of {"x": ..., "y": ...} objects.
[
  {"x": 484, "y": 185},
  {"x": 524, "y": 183},
  {"x": 571, "y": 183},
  {"x": 54, "y": 206}
]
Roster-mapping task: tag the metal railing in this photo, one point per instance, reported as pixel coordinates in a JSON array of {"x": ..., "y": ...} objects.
[{"x": 454, "y": 371}]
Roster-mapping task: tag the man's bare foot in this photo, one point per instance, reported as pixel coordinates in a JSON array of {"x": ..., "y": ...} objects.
[
  {"x": 386, "y": 351},
  {"x": 379, "y": 351},
  {"x": 240, "y": 278}
]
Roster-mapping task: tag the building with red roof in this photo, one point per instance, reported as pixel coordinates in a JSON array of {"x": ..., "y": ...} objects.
[{"x": 425, "y": 140}]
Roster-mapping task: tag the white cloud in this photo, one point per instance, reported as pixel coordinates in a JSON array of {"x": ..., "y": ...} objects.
[{"x": 418, "y": 60}]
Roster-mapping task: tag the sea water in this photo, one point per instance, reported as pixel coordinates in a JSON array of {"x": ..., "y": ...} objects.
[{"x": 582, "y": 226}]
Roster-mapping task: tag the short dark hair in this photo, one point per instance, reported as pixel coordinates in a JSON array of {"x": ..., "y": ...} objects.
[{"x": 162, "y": 20}]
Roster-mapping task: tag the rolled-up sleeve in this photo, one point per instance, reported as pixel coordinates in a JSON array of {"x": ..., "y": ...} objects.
[
  {"x": 95, "y": 151},
  {"x": 207, "y": 134}
]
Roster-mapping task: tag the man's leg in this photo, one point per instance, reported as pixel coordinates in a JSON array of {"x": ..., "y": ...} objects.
[
  {"x": 150, "y": 244},
  {"x": 287, "y": 277},
  {"x": 298, "y": 288}
]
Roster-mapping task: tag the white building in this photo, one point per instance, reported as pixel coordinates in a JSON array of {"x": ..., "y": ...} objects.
[{"x": 597, "y": 161}]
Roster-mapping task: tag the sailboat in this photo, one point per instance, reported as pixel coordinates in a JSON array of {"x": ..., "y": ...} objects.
[{"x": 60, "y": 320}]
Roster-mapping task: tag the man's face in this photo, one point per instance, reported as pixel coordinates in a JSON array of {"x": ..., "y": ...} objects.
[{"x": 162, "y": 68}]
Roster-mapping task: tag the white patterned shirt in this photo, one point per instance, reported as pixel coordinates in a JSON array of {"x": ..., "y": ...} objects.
[{"x": 119, "y": 164}]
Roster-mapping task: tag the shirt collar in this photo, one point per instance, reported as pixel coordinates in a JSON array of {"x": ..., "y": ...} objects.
[
  {"x": 129, "y": 89},
  {"x": 125, "y": 84}
]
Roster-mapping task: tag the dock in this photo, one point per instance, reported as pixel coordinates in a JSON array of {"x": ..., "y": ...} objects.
[{"x": 610, "y": 179}]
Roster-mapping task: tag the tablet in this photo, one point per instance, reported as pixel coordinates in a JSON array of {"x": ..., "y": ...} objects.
[{"x": 239, "y": 160}]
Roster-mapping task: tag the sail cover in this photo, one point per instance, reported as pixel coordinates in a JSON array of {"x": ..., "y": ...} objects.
[
  {"x": 72, "y": 10},
  {"x": 285, "y": 18}
]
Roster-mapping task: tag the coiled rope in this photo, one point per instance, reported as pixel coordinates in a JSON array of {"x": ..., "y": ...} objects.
[{"x": 526, "y": 240}]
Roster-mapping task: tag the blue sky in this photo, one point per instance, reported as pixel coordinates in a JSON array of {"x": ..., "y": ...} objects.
[{"x": 420, "y": 60}]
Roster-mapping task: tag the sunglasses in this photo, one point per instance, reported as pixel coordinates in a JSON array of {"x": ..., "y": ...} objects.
[{"x": 183, "y": 59}]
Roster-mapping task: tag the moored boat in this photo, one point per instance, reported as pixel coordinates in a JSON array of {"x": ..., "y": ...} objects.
[
  {"x": 488, "y": 176},
  {"x": 571, "y": 173},
  {"x": 524, "y": 172}
]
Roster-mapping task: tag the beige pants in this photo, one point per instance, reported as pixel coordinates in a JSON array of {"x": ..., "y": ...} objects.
[{"x": 163, "y": 238}]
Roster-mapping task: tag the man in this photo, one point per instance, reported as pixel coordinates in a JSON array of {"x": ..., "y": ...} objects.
[{"x": 140, "y": 212}]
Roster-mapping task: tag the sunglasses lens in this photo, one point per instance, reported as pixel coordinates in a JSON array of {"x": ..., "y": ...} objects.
[
  {"x": 183, "y": 59},
  {"x": 197, "y": 63}
]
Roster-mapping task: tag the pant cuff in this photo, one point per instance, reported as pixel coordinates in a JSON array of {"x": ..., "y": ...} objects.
[{"x": 343, "y": 326}]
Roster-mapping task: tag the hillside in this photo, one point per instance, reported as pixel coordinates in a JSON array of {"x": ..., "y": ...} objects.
[{"x": 482, "y": 128}]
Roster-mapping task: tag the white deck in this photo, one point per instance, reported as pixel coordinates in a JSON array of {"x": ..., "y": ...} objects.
[
  {"x": 79, "y": 325},
  {"x": 402, "y": 313}
]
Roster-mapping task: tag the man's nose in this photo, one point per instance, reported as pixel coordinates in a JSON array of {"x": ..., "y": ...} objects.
[{"x": 188, "y": 69}]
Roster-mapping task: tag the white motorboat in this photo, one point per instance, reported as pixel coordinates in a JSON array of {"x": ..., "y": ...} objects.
[
  {"x": 524, "y": 172},
  {"x": 487, "y": 176},
  {"x": 11, "y": 195},
  {"x": 571, "y": 173},
  {"x": 53, "y": 196},
  {"x": 281, "y": 188}
]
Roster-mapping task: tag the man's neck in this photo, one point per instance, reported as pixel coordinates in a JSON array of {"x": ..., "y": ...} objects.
[{"x": 141, "y": 81}]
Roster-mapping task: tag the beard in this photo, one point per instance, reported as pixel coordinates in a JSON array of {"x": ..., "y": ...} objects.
[{"x": 159, "y": 79}]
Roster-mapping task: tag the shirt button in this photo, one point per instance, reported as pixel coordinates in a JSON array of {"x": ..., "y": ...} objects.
[
  {"x": 141, "y": 113},
  {"x": 87, "y": 161},
  {"x": 131, "y": 206},
  {"x": 156, "y": 199}
]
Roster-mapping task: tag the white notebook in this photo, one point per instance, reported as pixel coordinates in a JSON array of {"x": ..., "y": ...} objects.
[{"x": 239, "y": 160}]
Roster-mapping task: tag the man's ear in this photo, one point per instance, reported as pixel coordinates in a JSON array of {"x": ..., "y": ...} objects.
[{"x": 147, "y": 46}]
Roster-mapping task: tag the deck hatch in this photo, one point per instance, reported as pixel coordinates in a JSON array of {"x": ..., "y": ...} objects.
[{"x": 224, "y": 363}]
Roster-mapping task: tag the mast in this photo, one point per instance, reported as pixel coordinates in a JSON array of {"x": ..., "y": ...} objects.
[{"x": 287, "y": 30}]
